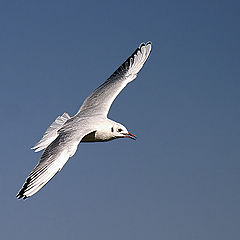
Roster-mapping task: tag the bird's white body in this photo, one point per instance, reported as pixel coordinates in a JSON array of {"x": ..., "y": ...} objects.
[{"x": 90, "y": 124}]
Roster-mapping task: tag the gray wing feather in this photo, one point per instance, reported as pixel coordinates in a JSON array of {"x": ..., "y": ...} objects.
[{"x": 100, "y": 101}]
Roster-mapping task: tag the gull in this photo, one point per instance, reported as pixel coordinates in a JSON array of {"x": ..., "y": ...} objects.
[{"x": 89, "y": 124}]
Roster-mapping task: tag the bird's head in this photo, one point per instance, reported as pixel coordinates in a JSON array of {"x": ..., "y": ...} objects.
[{"x": 119, "y": 131}]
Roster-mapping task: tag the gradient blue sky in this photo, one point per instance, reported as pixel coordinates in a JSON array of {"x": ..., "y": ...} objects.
[{"x": 180, "y": 179}]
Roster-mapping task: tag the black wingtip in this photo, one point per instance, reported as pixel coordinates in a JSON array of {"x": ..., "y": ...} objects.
[
  {"x": 21, "y": 196},
  {"x": 144, "y": 44},
  {"x": 125, "y": 65},
  {"x": 22, "y": 190}
]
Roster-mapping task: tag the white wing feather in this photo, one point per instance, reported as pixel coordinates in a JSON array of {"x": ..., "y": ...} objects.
[
  {"x": 100, "y": 101},
  {"x": 52, "y": 161},
  {"x": 51, "y": 133}
]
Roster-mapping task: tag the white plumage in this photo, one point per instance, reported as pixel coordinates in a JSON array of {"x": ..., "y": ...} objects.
[{"x": 90, "y": 124}]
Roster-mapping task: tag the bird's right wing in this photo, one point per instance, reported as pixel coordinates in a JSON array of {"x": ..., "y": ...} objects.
[
  {"x": 100, "y": 101},
  {"x": 52, "y": 161}
]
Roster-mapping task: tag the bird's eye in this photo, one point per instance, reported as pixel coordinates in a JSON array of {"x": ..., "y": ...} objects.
[
  {"x": 119, "y": 130},
  {"x": 112, "y": 129}
]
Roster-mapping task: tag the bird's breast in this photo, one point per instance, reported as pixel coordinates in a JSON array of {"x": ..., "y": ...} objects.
[{"x": 97, "y": 136}]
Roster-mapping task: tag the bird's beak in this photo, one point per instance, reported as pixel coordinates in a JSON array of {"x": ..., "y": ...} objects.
[{"x": 130, "y": 135}]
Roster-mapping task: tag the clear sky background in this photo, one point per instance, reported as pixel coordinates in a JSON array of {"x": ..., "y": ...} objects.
[{"x": 180, "y": 179}]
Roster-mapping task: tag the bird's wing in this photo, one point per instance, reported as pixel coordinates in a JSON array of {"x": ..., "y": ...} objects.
[
  {"x": 51, "y": 133},
  {"x": 52, "y": 161},
  {"x": 100, "y": 101}
]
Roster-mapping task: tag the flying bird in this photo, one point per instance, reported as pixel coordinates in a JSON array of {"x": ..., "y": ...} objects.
[{"x": 90, "y": 124}]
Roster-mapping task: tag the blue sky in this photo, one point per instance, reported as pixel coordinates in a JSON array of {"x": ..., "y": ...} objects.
[{"x": 180, "y": 179}]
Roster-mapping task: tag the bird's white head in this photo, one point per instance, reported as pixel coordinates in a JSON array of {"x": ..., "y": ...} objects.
[
  {"x": 108, "y": 130},
  {"x": 119, "y": 131}
]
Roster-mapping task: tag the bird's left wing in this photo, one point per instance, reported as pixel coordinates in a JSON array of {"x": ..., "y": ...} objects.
[
  {"x": 52, "y": 161},
  {"x": 51, "y": 133},
  {"x": 100, "y": 101}
]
